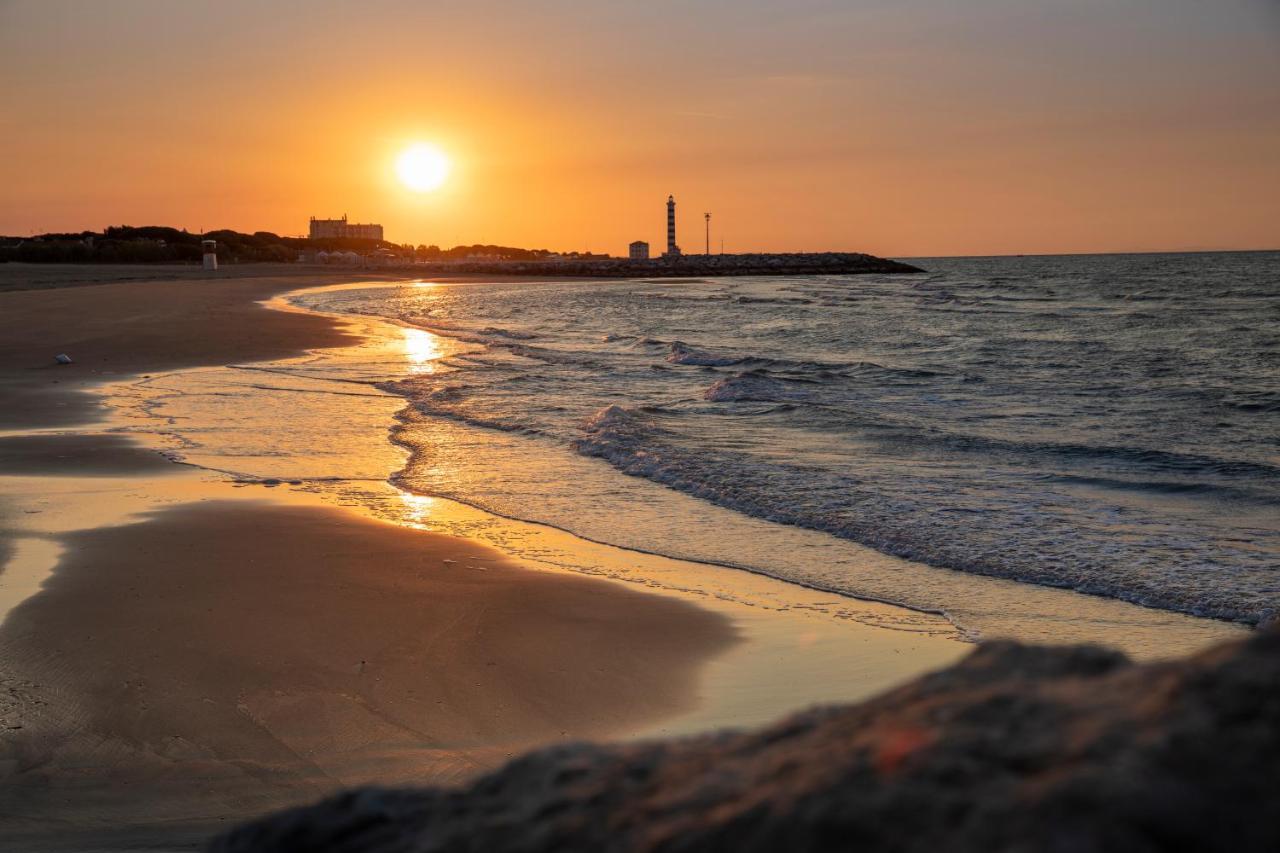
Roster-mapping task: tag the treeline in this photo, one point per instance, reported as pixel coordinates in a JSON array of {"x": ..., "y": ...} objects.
[
  {"x": 457, "y": 253},
  {"x": 156, "y": 244},
  {"x": 126, "y": 244}
]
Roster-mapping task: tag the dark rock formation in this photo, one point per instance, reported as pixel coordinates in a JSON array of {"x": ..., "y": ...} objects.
[
  {"x": 1017, "y": 748},
  {"x": 684, "y": 266}
]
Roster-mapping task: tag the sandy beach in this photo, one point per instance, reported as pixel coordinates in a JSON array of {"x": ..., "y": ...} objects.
[
  {"x": 225, "y": 658},
  {"x": 203, "y": 652},
  {"x": 215, "y": 659},
  {"x": 119, "y": 323},
  {"x": 216, "y": 601}
]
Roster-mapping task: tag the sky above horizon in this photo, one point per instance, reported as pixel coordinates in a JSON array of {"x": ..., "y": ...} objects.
[{"x": 897, "y": 127}]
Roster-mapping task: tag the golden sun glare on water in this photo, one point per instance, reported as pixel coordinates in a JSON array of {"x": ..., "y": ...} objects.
[{"x": 422, "y": 167}]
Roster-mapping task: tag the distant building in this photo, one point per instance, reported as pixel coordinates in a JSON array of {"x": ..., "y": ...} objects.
[
  {"x": 639, "y": 251},
  {"x": 327, "y": 229}
]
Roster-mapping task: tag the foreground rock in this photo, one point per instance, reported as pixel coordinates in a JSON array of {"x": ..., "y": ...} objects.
[{"x": 1015, "y": 748}]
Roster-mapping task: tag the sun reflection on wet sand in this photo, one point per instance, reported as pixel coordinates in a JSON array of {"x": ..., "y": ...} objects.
[
  {"x": 422, "y": 349},
  {"x": 418, "y": 509}
]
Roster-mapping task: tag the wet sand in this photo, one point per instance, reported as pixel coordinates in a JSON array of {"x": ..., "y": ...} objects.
[
  {"x": 227, "y": 657},
  {"x": 78, "y": 456},
  {"x": 217, "y": 659}
]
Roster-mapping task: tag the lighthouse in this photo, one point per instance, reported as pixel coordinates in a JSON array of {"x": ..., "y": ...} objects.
[{"x": 672, "y": 249}]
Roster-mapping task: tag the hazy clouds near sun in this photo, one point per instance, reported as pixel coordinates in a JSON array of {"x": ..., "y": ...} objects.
[{"x": 907, "y": 127}]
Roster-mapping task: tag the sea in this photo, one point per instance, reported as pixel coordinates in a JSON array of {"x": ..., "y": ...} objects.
[{"x": 1106, "y": 424}]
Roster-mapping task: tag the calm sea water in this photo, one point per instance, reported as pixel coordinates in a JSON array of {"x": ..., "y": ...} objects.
[{"x": 1109, "y": 424}]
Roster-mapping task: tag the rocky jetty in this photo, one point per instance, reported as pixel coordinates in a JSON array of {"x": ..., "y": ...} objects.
[
  {"x": 1016, "y": 748},
  {"x": 685, "y": 266}
]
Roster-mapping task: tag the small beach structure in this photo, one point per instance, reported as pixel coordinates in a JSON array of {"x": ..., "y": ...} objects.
[
  {"x": 209, "y": 248},
  {"x": 639, "y": 251}
]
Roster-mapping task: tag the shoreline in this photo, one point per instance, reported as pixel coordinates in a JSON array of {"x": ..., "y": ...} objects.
[
  {"x": 116, "y": 329},
  {"x": 758, "y": 646},
  {"x": 978, "y": 605},
  {"x": 102, "y": 704},
  {"x": 78, "y": 676},
  {"x": 282, "y": 303},
  {"x": 1090, "y": 611}
]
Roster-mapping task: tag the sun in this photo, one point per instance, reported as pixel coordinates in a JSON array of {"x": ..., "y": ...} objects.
[{"x": 422, "y": 167}]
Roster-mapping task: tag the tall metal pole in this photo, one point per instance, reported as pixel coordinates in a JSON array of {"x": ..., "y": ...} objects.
[{"x": 707, "y": 216}]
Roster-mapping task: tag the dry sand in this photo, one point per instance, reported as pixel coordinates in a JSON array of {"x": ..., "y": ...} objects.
[
  {"x": 216, "y": 660},
  {"x": 127, "y": 327}
]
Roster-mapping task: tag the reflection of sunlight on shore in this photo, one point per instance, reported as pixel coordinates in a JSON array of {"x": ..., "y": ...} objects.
[
  {"x": 422, "y": 349},
  {"x": 417, "y": 510}
]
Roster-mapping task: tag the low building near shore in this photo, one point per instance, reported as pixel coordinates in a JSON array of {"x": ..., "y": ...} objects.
[
  {"x": 338, "y": 257},
  {"x": 639, "y": 251}
]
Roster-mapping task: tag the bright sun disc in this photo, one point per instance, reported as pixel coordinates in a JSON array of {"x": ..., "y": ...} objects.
[{"x": 422, "y": 167}]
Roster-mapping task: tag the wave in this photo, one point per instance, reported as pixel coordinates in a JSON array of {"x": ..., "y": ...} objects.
[
  {"x": 872, "y": 368},
  {"x": 807, "y": 382},
  {"x": 1169, "y": 487},
  {"x": 682, "y": 353},
  {"x": 494, "y": 331},
  {"x": 613, "y": 420},
  {"x": 426, "y": 409},
  {"x": 455, "y": 402},
  {"x": 1254, "y": 401},
  {"x": 1186, "y": 464},
  {"x": 548, "y": 355},
  {"x": 928, "y": 532},
  {"x": 457, "y": 333},
  {"x": 767, "y": 300},
  {"x": 453, "y": 330},
  {"x": 648, "y": 343},
  {"x": 757, "y": 387}
]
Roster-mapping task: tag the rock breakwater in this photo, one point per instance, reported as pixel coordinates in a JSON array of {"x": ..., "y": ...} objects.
[{"x": 686, "y": 266}]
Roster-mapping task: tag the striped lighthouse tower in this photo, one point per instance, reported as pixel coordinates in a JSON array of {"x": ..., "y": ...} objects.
[{"x": 672, "y": 248}]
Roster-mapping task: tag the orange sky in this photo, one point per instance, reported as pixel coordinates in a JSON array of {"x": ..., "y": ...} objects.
[{"x": 905, "y": 128}]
